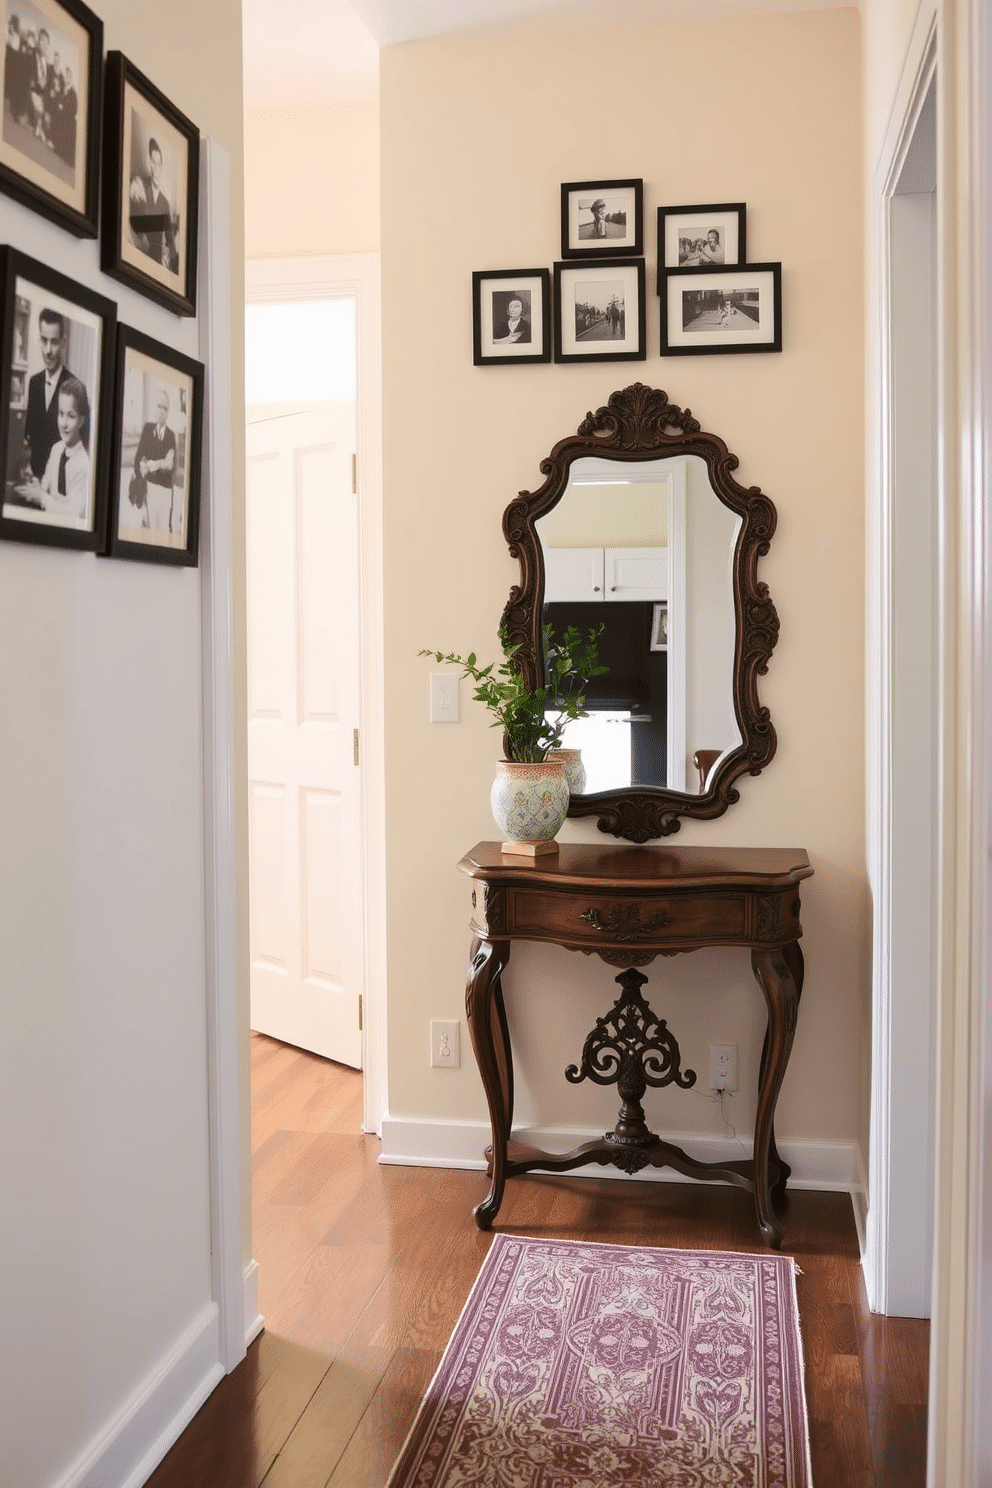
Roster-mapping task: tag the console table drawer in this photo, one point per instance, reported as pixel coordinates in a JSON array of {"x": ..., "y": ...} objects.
[{"x": 598, "y": 919}]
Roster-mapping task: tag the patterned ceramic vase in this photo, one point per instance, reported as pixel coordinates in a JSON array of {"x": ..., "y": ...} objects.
[
  {"x": 529, "y": 802},
  {"x": 575, "y": 770}
]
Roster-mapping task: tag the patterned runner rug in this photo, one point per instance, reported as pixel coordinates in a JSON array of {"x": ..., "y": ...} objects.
[{"x": 576, "y": 1365}]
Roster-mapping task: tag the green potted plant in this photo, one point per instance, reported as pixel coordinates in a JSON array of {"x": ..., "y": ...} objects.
[{"x": 530, "y": 794}]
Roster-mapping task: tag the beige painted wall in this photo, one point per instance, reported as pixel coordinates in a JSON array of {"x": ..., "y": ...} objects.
[
  {"x": 312, "y": 180},
  {"x": 765, "y": 110}
]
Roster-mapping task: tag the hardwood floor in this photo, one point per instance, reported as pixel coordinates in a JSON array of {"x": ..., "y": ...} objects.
[{"x": 364, "y": 1270}]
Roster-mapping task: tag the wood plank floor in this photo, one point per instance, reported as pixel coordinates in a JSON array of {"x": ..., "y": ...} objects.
[{"x": 364, "y": 1270}]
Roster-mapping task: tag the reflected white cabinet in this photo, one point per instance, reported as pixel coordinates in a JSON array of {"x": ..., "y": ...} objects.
[{"x": 591, "y": 574}]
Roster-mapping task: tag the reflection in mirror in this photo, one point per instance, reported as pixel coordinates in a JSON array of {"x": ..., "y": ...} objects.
[
  {"x": 646, "y": 552},
  {"x": 641, "y": 527}
]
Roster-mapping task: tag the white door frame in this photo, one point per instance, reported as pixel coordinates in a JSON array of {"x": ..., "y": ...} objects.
[
  {"x": 902, "y": 810},
  {"x": 271, "y": 281},
  {"x": 959, "y": 32},
  {"x": 960, "y": 1417}
]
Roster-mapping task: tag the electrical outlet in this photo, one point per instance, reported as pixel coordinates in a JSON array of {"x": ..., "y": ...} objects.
[
  {"x": 444, "y": 697},
  {"x": 723, "y": 1066},
  {"x": 445, "y": 1051}
]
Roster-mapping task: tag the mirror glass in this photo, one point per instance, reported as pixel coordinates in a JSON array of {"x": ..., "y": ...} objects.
[{"x": 646, "y": 552}]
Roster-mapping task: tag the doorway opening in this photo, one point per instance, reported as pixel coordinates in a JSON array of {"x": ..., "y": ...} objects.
[{"x": 313, "y": 579}]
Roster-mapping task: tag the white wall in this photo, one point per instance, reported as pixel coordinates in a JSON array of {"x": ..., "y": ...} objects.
[
  {"x": 772, "y": 119},
  {"x": 110, "y": 1326}
]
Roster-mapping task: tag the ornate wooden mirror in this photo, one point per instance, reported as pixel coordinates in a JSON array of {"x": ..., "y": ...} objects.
[{"x": 640, "y": 527}]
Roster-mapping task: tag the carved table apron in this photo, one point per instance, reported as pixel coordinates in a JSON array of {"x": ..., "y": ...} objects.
[{"x": 629, "y": 905}]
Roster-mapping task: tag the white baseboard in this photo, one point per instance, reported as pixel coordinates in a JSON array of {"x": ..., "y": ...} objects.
[
  {"x": 254, "y": 1321},
  {"x": 832, "y": 1166},
  {"x": 137, "y": 1438},
  {"x": 859, "y": 1200}
]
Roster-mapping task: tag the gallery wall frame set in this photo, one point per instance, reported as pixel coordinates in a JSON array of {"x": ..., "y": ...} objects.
[
  {"x": 50, "y": 134},
  {"x": 101, "y": 426},
  {"x": 150, "y": 189}
]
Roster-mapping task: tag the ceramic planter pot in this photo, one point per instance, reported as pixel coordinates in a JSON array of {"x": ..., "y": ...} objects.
[
  {"x": 529, "y": 803},
  {"x": 575, "y": 770}
]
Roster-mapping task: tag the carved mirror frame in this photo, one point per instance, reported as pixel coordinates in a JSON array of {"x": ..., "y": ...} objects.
[{"x": 637, "y": 424}]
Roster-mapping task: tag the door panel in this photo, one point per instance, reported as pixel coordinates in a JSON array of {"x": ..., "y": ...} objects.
[{"x": 303, "y": 668}]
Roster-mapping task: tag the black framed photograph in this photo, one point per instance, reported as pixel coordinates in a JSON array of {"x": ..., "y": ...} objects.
[
  {"x": 151, "y": 166},
  {"x": 511, "y": 316},
  {"x": 659, "y": 627},
  {"x": 157, "y": 444},
  {"x": 56, "y": 392},
  {"x": 721, "y": 310},
  {"x": 601, "y": 219},
  {"x": 52, "y": 89},
  {"x": 702, "y": 237},
  {"x": 600, "y": 314}
]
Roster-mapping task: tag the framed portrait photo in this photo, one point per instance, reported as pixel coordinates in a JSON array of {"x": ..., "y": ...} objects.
[
  {"x": 600, "y": 311},
  {"x": 511, "y": 316},
  {"x": 151, "y": 166},
  {"x": 56, "y": 389},
  {"x": 721, "y": 310},
  {"x": 659, "y": 628},
  {"x": 52, "y": 89},
  {"x": 701, "y": 237},
  {"x": 157, "y": 443},
  {"x": 601, "y": 219}
]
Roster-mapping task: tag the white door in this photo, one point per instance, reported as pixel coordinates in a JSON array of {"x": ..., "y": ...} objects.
[{"x": 306, "y": 914}]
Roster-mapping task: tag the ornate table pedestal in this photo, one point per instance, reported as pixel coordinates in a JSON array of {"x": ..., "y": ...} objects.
[{"x": 629, "y": 905}]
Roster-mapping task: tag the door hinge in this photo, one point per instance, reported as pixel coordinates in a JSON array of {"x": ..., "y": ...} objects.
[
  {"x": 356, "y": 745},
  {"x": 360, "y": 1012},
  {"x": 354, "y": 475}
]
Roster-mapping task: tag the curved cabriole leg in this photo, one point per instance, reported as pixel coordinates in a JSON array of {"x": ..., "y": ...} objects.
[
  {"x": 776, "y": 971},
  {"x": 487, "y": 1026}
]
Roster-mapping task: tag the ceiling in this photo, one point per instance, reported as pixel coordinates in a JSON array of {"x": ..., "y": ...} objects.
[{"x": 309, "y": 51}]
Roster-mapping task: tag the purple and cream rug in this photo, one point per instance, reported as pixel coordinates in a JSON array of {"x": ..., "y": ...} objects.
[{"x": 578, "y": 1365}]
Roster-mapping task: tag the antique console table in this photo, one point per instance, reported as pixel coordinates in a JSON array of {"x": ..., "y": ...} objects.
[{"x": 629, "y": 905}]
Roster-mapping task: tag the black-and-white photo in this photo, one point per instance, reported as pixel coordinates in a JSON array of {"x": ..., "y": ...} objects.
[
  {"x": 701, "y": 237},
  {"x": 47, "y": 142},
  {"x": 511, "y": 311},
  {"x": 705, "y": 310},
  {"x": 154, "y": 218},
  {"x": 511, "y": 316},
  {"x": 40, "y": 97},
  {"x": 716, "y": 310},
  {"x": 155, "y": 499},
  {"x": 601, "y": 219},
  {"x": 50, "y": 473},
  {"x": 55, "y": 393},
  {"x": 600, "y": 311},
  {"x": 151, "y": 165}
]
